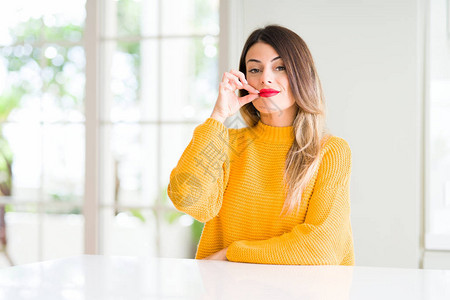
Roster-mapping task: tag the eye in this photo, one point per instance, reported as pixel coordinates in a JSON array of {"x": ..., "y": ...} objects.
[
  {"x": 280, "y": 68},
  {"x": 253, "y": 71}
]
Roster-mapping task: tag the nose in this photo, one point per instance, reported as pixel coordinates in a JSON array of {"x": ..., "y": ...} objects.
[{"x": 267, "y": 76}]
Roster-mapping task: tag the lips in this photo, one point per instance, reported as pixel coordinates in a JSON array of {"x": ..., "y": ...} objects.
[{"x": 268, "y": 93}]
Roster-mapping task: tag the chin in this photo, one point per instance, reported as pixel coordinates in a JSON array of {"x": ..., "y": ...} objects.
[{"x": 268, "y": 108}]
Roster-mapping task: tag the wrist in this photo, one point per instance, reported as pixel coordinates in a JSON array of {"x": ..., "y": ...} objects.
[{"x": 218, "y": 117}]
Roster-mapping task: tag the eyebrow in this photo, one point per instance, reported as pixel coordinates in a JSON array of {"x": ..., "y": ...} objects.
[{"x": 258, "y": 61}]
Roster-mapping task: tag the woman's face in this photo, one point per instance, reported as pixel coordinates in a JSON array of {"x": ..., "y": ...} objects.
[{"x": 267, "y": 73}]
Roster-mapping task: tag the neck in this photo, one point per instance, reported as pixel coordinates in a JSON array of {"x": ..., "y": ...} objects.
[{"x": 280, "y": 118}]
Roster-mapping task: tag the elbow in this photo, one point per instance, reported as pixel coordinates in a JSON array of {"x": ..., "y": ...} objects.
[
  {"x": 191, "y": 204},
  {"x": 184, "y": 191},
  {"x": 182, "y": 201},
  {"x": 329, "y": 253},
  {"x": 205, "y": 212},
  {"x": 330, "y": 259}
]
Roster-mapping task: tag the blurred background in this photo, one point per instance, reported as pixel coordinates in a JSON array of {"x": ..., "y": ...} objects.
[{"x": 99, "y": 98}]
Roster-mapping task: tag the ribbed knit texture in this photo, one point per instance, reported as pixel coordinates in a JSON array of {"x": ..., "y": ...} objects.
[{"x": 232, "y": 180}]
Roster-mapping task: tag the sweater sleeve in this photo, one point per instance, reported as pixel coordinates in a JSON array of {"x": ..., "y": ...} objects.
[
  {"x": 324, "y": 236},
  {"x": 198, "y": 181}
]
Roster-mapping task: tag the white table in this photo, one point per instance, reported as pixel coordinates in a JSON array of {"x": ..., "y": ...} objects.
[{"x": 101, "y": 278}]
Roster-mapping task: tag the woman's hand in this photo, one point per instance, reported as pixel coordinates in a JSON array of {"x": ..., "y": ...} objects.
[
  {"x": 221, "y": 255},
  {"x": 228, "y": 102}
]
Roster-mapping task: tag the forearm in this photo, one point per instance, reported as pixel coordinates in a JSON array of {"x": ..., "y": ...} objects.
[
  {"x": 197, "y": 182},
  {"x": 325, "y": 242}
]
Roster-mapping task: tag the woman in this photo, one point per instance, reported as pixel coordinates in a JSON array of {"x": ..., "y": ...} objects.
[{"x": 276, "y": 192}]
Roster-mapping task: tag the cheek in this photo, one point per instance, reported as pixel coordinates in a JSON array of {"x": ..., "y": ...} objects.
[
  {"x": 285, "y": 82},
  {"x": 252, "y": 79}
]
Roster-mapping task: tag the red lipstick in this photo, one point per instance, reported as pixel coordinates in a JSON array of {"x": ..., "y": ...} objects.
[{"x": 268, "y": 93}]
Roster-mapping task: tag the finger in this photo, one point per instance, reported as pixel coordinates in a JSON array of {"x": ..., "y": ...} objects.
[
  {"x": 250, "y": 89},
  {"x": 224, "y": 76},
  {"x": 234, "y": 79},
  {"x": 246, "y": 86},
  {"x": 240, "y": 75},
  {"x": 225, "y": 86},
  {"x": 230, "y": 87},
  {"x": 247, "y": 99}
]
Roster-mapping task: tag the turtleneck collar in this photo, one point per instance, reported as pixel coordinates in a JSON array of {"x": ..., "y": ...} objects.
[{"x": 272, "y": 134}]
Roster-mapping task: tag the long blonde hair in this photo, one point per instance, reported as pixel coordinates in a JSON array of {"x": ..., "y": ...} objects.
[{"x": 309, "y": 124}]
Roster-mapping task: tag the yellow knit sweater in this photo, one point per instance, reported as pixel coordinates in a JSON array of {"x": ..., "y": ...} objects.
[{"x": 231, "y": 179}]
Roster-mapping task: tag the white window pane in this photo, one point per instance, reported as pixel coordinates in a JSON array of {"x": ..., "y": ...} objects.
[
  {"x": 64, "y": 21},
  {"x": 150, "y": 80},
  {"x": 63, "y": 163},
  {"x": 22, "y": 230},
  {"x": 189, "y": 78},
  {"x": 177, "y": 240},
  {"x": 130, "y": 18},
  {"x": 440, "y": 161},
  {"x": 122, "y": 81},
  {"x": 129, "y": 165},
  {"x": 133, "y": 18},
  {"x": 176, "y": 139},
  {"x": 20, "y": 82},
  {"x": 51, "y": 19},
  {"x": 128, "y": 232},
  {"x": 438, "y": 187},
  {"x": 42, "y": 65},
  {"x": 63, "y": 84},
  {"x": 63, "y": 234},
  {"x": 26, "y": 164},
  {"x": 50, "y": 79},
  {"x": 192, "y": 16},
  {"x": 158, "y": 77}
]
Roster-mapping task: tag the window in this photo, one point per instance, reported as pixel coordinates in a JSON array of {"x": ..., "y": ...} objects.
[
  {"x": 158, "y": 78},
  {"x": 42, "y": 78},
  {"x": 438, "y": 133}
]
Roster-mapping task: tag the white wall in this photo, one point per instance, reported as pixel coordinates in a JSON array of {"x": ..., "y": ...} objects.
[{"x": 370, "y": 60}]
